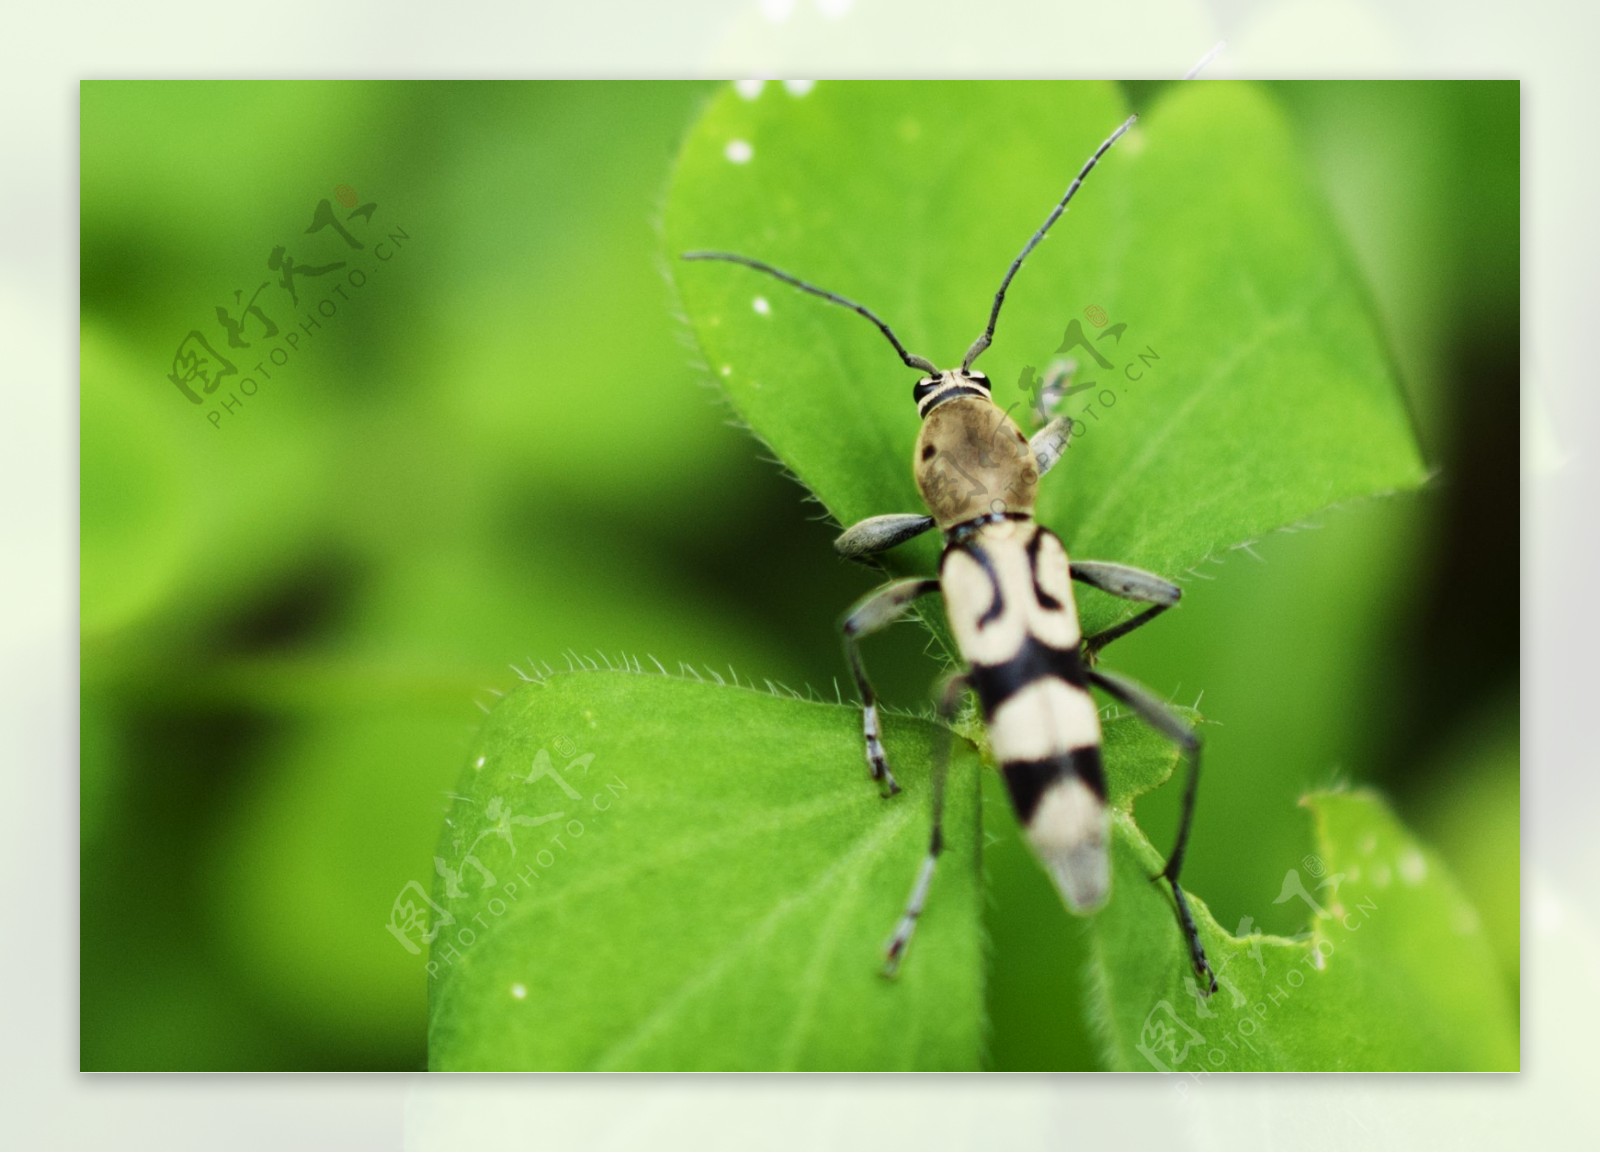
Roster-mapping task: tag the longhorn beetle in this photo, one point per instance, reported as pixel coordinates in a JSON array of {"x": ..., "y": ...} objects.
[{"x": 1006, "y": 582}]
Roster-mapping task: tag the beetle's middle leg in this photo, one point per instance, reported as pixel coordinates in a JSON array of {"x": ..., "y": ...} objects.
[
  {"x": 1130, "y": 583},
  {"x": 949, "y": 700},
  {"x": 877, "y": 610}
]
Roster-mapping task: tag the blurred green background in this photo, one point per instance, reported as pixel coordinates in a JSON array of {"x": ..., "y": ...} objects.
[{"x": 495, "y": 451}]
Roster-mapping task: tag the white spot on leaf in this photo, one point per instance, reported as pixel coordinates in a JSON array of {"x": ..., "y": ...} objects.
[
  {"x": 519, "y": 991},
  {"x": 1412, "y": 867},
  {"x": 799, "y": 87},
  {"x": 761, "y": 306},
  {"x": 750, "y": 87},
  {"x": 739, "y": 151}
]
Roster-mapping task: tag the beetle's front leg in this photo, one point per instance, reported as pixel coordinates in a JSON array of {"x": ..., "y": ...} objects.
[
  {"x": 1050, "y": 441},
  {"x": 875, "y": 611},
  {"x": 1056, "y": 387}
]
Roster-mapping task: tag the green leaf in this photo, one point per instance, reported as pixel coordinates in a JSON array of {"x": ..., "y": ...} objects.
[
  {"x": 1250, "y": 387},
  {"x": 1395, "y": 971},
  {"x": 715, "y": 893},
  {"x": 722, "y": 834}
]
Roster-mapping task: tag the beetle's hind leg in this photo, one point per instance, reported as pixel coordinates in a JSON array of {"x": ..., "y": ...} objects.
[
  {"x": 877, "y": 610},
  {"x": 1158, "y": 716},
  {"x": 949, "y": 701}
]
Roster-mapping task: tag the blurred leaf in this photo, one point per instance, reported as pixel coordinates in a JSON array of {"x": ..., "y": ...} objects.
[
  {"x": 481, "y": 611},
  {"x": 304, "y": 872},
  {"x": 1477, "y": 822},
  {"x": 102, "y": 767},
  {"x": 555, "y": 326},
  {"x": 133, "y": 530},
  {"x": 178, "y": 525},
  {"x": 1396, "y": 972},
  {"x": 1248, "y": 389},
  {"x": 1437, "y": 232},
  {"x": 714, "y": 893}
]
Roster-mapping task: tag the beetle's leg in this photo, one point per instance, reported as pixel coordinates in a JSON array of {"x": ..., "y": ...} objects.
[
  {"x": 877, "y": 610},
  {"x": 877, "y": 533},
  {"x": 1056, "y": 387},
  {"x": 949, "y": 700},
  {"x": 1050, "y": 441},
  {"x": 1158, "y": 716},
  {"x": 1131, "y": 584}
]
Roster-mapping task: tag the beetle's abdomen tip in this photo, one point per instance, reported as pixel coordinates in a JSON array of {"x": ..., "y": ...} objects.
[
  {"x": 1083, "y": 879},
  {"x": 1070, "y": 831}
]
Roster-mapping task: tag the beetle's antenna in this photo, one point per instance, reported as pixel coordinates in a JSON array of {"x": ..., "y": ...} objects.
[
  {"x": 911, "y": 359},
  {"x": 1055, "y": 214}
]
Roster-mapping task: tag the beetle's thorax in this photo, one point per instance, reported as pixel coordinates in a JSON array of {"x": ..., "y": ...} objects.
[{"x": 972, "y": 461}]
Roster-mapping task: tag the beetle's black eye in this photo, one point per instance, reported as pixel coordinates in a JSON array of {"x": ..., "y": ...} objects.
[
  {"x": 979, "y": 379},
  {"x": 920, "y": 390}
]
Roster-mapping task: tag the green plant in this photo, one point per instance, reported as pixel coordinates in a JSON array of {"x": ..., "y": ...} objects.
[{"x": 739, "y": 876}]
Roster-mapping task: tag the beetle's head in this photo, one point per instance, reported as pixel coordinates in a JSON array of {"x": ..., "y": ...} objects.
[{"x": 936, "y": 388}]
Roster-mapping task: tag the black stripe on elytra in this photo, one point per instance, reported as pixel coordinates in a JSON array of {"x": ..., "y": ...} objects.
[
  {"x": 1027, "y": 781},
  {"x": 1034, "y": 661},
  {"x": 1046, "y": 601},
  {"x": 997, "y": 606}
]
